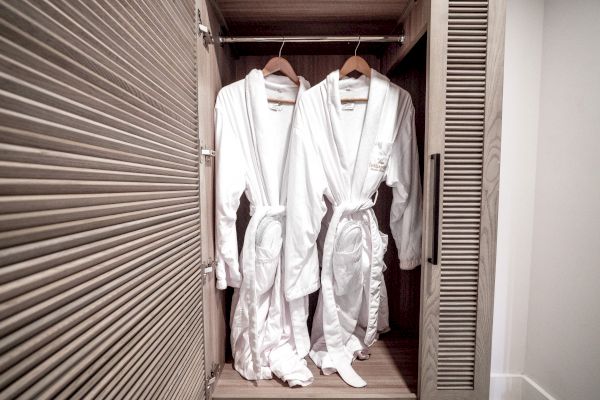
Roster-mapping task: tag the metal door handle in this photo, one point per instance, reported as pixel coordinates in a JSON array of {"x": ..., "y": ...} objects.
[{"x": 436, "y": 209}]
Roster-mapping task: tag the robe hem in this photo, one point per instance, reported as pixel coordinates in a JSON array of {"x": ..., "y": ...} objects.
[
  {"x": 410, "y": 264},
  {"x": 221, "y": 284},
  {"x": 299, "y": 293}
]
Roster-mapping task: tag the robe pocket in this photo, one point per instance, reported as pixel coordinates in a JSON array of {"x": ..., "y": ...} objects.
[
  {"x": 268, "y": 249},
  {"x": 346, "y": 258},
  {"x": 383, "y": 248},
  {"x": 384, "y": 242}
]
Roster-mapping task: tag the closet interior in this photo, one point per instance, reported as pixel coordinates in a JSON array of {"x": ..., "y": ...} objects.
[
  {"x": 107, "y": 197},
  {"x": 392, "y": 370}
]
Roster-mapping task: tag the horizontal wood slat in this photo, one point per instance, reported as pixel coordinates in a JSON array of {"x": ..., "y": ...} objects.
[
  {"x": 13, "y": 204},
  {"x": 100, "y": 276},
  {"x": 24, "y": 15},
  {"x": 461, "y": 194},
  {"x": 46, "y": 135}
]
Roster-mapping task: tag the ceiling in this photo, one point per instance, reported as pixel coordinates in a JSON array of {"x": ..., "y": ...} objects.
[{"x": 311, "y": 17}]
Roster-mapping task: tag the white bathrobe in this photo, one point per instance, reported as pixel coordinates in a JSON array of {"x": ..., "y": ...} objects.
[
  {"x": 344, "y": 152},
  {"x": 252, "y": 145}
]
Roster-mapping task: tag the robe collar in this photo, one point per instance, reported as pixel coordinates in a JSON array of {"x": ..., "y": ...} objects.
[
  {"x": 256, "y": 97},
  {"x": 378, "y": 89},
  {"x": 257, "y": 108}
]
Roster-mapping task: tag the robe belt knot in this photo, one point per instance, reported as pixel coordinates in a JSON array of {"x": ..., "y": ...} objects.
[
  {"x": 354, "y": 206},
  {"x": 267, "y": 211}
]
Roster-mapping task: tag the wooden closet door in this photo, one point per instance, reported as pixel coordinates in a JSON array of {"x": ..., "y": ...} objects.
[
  {"x": 463, "y": 127},
  {"x": 215, "y": 68},
  {"x": 100, "y": 278}
]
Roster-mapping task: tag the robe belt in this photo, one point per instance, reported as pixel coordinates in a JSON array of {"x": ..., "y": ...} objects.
[
  {"x": 332, "y": 329},
  {"x": 249, "y": 276}
]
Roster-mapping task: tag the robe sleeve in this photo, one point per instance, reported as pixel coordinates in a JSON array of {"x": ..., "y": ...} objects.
[
  {"x": 403, "y": 177},
  {"x": 305, "y": 210},
  {"x": 230, "y": 184}
]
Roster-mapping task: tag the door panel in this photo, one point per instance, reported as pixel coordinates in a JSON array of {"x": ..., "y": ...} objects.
[
  {"x": 215, "y": 68},
  {"x": 100, "y": 279},
  {"x": 466, "y": 50}
]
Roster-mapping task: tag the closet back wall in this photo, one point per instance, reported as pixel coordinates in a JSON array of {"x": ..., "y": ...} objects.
[{"x": 403, "y": 286}]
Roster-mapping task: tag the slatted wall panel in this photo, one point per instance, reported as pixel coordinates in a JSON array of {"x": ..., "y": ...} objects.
[
  {"x": 461, "y": 193},
  {"x": 100, "y": 287}
]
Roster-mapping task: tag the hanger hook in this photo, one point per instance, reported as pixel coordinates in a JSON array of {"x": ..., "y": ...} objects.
[
  {"x": 356, "y": 48},
  {"x": 282, "y": 43}
]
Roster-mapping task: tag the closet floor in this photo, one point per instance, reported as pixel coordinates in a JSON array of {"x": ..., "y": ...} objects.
[{"x": 390, "y": 372}]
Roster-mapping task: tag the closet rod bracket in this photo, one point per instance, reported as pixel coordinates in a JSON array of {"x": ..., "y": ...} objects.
[
  {"x": 207, "y": 268},
  {"x": 211, "y": 379},
  {"x": 206, "y": 154},
  {"x": 204, "y": 31}
]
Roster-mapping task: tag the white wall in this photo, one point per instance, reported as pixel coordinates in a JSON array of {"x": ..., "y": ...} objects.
[
  {"x": 520, "y": 117},
  {"x": 563, "y": 335},
  {"x": 549, "y": 237}
]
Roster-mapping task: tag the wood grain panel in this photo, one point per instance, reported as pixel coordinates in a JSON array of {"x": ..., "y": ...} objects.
[
  {"x": 347, "y": 17},
  {"x": 461, "y": 194},
  {"x": 490, "y": 190},
  {"x": 455, "y": 343},
  {"x": 390, "y": 374},
  {"x": 437, "y": 32},
  {"x": 414, "y": 26},
  {"x": 100, "y": 285},
  {"x": 215, "y": 68},
  {"x": 264, "y": 10}
]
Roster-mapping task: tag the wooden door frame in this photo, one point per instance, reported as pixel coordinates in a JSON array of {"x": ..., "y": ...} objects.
[
  {"x": 434, "y": 143},
  {"x": 214, "y": 70}
]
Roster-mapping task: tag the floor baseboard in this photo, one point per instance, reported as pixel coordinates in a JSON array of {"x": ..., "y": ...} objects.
[{"x": 516, "y": 387}]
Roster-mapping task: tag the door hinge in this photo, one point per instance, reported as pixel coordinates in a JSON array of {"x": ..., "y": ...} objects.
[
  {"x": 204, "y": 31},
  {"x": 206, "y": 154},
  {"x": 211, "y": 380},
  {"x": 207, "y": 268}
]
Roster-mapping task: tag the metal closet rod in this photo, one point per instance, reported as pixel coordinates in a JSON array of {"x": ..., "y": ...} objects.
[{"x": 311, "y": 39}]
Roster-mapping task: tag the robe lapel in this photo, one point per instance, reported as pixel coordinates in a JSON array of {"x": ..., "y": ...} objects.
[
  {"x": 260, "y": 130},
  {"x": 377, "y": 93},
  {"x": 304, "y": 85},
  {"x": 378, "y": 88},
  {"x": 256, "y": 108},
  {"x": 333, "y": 107},
  {"x": 258, "y": 120}
]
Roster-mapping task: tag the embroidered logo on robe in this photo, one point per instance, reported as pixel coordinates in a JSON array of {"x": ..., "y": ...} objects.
[
  {"x": 380, "y": 156},
  {"x": 379, "y": 164}
]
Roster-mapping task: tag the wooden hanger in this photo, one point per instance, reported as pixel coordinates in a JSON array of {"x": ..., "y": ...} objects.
[
  {"x": 359, "y": 64},
  {"x": 280, "y": 64}
]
